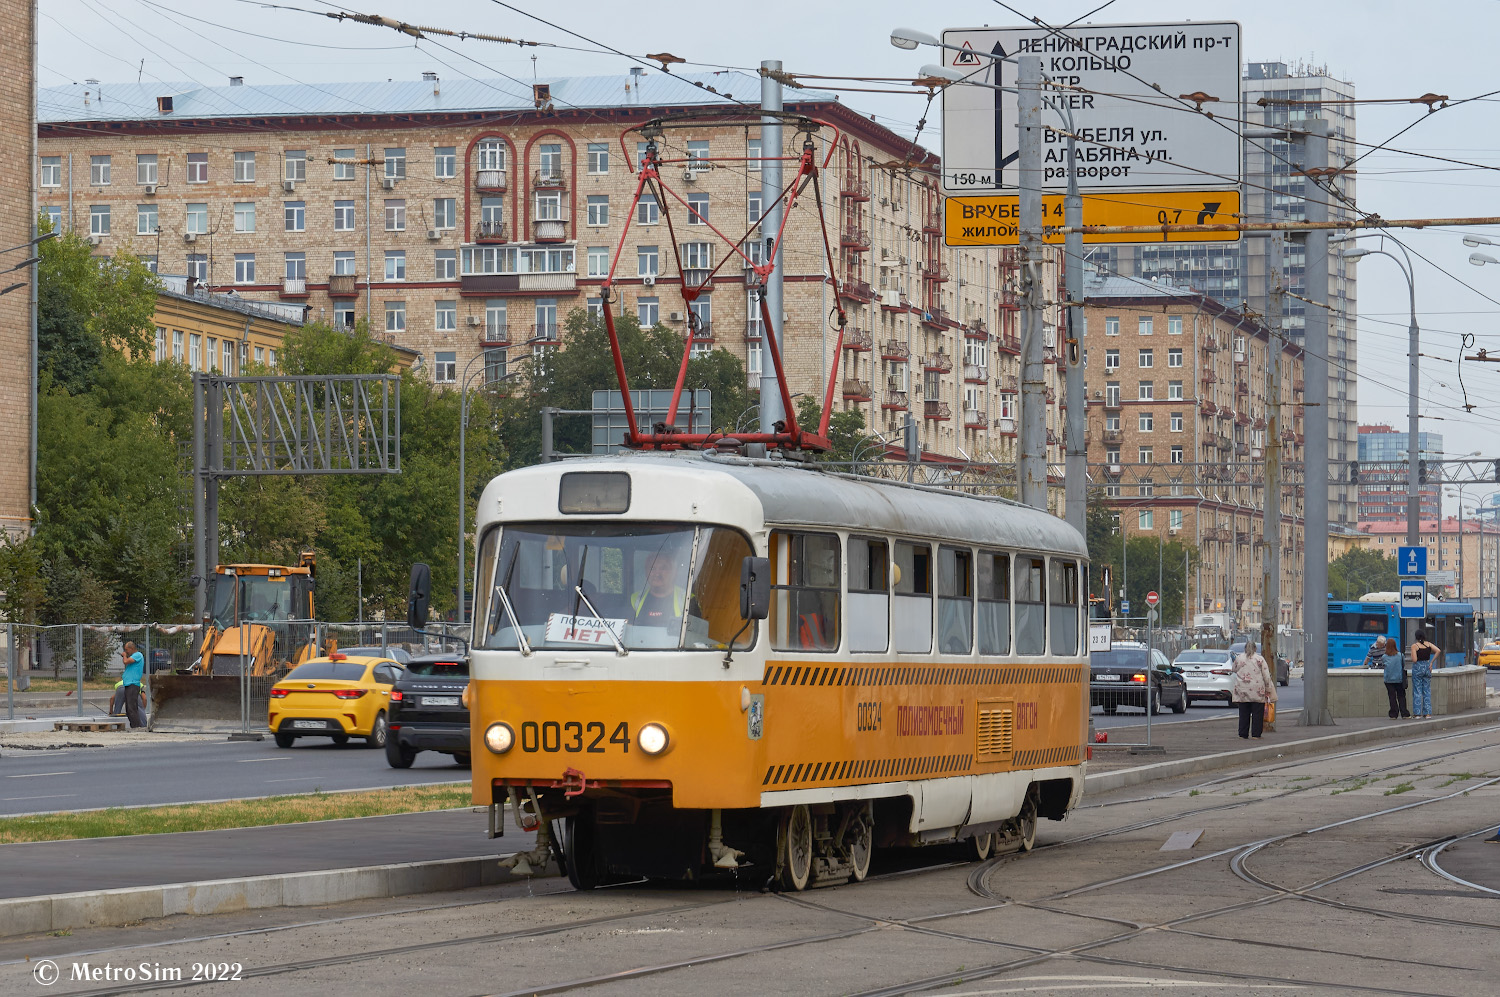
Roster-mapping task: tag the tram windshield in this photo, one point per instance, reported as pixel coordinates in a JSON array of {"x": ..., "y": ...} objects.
[{"x": 650, "y": 586}]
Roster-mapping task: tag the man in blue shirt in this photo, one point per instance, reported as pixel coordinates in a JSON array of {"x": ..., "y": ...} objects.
[{"x": 135, "y": 667}]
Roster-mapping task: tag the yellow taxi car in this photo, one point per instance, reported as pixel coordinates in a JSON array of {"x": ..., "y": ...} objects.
[
  {"x": 338, "y": 696},
  {"x": 1489, "y": 654}
]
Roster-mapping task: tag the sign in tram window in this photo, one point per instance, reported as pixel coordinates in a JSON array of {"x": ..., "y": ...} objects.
[
  {"x": 913, "y": 609},
  {"x": 994, "y": 603},
  {"x": 591, "y": 492},
  {"x": 955, "y": 600},
  {"x": 1031, "y": 607},
  {"x": 804, "y": 591},
  {"x": 1062, "y": 593},
  {"x": 869, "y": 595}
]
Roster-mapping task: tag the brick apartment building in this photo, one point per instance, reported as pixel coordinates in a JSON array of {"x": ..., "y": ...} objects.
[
  {"x": 1177, "y": 423},
  {"x": 1470, "y": 549},
  {"x": 17, "y": 214},
  {"x": 466, "y": 220}
]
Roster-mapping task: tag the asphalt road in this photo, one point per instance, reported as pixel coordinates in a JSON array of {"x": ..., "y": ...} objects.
[{"x": 210, "y": 768}]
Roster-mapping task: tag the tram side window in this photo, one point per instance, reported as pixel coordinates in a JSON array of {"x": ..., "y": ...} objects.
[
  {"x": 994, "y": 603},
  {"x": 913, "y": 607},
  {"x": 804, "y": 591},
  {"x": 1031, "y": 609},
  {"x": 869, "y": 594},
  {"x": 1062, "y": 593},
  {"x": 955, "y": 600}
]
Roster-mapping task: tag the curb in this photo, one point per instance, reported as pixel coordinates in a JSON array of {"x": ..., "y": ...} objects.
[
  {"x": 1103, "y": 782},
  {"x": 101, "y": 908}
]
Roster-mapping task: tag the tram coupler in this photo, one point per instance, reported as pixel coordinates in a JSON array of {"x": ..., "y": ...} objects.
[
  {"x": 521, "y": 863},
  {"x": 724, "y": 857}
]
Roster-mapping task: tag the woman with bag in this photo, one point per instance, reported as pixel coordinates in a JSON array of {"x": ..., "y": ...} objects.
[
  {"x": 1423, "y": 652},
  {"x": 1252, "y": 688},
  {"x": 1395, "y": 679}
]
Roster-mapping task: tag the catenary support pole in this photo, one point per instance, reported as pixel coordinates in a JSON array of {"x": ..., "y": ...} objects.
[
  {"x": 200, "y": 531},
  {"x": 770, "y": 196},
  {"x": 1315, "y": 453},
  {"x": 1075, "y": 464},
  {"x": 1033, "y": 470},
  {"x": 1270, "y": 583},
  {"x": 10, "y": 671},
  {"x": 78, "y": 660}
]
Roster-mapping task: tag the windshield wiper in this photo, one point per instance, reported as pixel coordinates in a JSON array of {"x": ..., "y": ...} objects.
[
  {"x": 510, "y": 612},
  {"x": 578, "y": 588}
]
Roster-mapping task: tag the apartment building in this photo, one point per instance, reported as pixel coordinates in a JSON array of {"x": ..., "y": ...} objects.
[
  {"x": 17, "y": 213},
  {"x": 1384, "y": 475},
  {"x": 466, "y": 220},
  {"x": 1463, "y": 556},
  {"x": 1177, "y": 429}
]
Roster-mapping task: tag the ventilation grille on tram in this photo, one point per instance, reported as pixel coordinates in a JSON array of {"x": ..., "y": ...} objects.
[{"x": 994, "y": 732}]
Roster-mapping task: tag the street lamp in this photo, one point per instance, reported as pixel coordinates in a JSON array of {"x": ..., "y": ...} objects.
[
  {"x": 1413, "y": 444},
  {"x": 1479, "y": 240},
  {"x": 1480, "y": 259}
]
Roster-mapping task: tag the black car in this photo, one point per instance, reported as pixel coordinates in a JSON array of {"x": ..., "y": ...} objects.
[
  {"x": 1119, "y": 677},
  {"x": 1283, "y": 666},
  {"x": 427, "y": 710}
]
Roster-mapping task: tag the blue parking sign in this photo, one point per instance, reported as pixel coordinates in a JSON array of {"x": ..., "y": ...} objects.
[{"x": 1411, "y": 562}]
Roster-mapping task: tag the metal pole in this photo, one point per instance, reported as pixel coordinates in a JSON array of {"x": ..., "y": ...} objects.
[
  {"x": 1460, "y": 543},
  {"x": 463, "y": 504},
  {"x": 1270, "y": 582},
  {"x": 1315, "y": 454},
  {"x": 1413, "y": 449},
  {"x": 78, "y": 661},
  {"x": 244, "y": 685},
  {"x": 1033, "y": 469},
  {"x": 201, "y": 567},
  {"x": 146, "y": 669},
  {"x": 1151, "y": 678},
  {"x": 548, "y": 412},
  {"x": 359, "y": 580},
  {"x": 10, "y": 671},
  {"x": 1075, "y": 465},
  {"x": 770, "y": 224}
]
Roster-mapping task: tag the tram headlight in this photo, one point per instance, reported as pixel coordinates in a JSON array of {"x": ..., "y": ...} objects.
[
  {"x": 499, "y": 738},
  {"x": 653, "y": 739}
]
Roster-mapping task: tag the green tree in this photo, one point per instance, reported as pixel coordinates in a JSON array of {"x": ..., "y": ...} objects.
[
  {"x": 846, "y": 432},
  {"x": 1358, "y": 571}
]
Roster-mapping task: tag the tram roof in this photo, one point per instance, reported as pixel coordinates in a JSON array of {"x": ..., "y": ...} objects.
[{"x": 803, "y": 495}]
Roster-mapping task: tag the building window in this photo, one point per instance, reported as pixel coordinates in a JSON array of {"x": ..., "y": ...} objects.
[
  {"x": 99, "y": 219},
  {"x": 343, "y": 263},
  {"x": 1177, "y": 454},
  {"x": 226, "y": 364},
  {"x": 145, "y": 168},
  {"x": 395, "y": 214},
  {"x": 296, "y": 266},
  {"x": 490, "y": 154},
  {"x": 196, "y": 221},
  {"x": 494, "y": 366},
  {"x": 395, "y": 316},
  {"x": 697, "y": 208},
  {"x": 1007, "y": 405},
  {"x": 343, "y": 216},
  {"x": 295, "y": 215},
  {"x": 594, "y": 307},
  {"x": 145, "y": 219},
  {"x": 343, "y": 315},
  {"x": 244, "y": 268},
  {"x": 1176, "y": 422},
  {"x": 150, "y": 261},
  {"x": 551, "y": 161},
  {"x": 51, "y": 171},
  {"x": 445, "y": 316},
  {"x": 161, "y": 344},
  {"x": 1112, "y": 394},
  {"x": 546, "y": 319},
  {"x": 1174, "y": 357},
  {"x": 99, "y": 171},
  {"x": 1143, "y": 455},
  {"x": 1112, "y": 456},
  {"x": 598, "y": 209},
  {"x": 646, "y": 261},
  {"x": 195, "y": 351},
  {"x": 648, "y": 311},
  {"x": 177, "y": 345},
  {"x": 700, "y": 256},
  {"x": 646, "y": 210},
  {"x": 1174, "y": 391},
  {"x": 395, "y": 164},
  {"x": 1145, "y": 519},
  {"x": 260, "y": 354},
  {"x": 1111, "y": 360},
  {"x": 445, "y": 162},
  {"x": 343, "y": 167},
  {"x": 445, "y": 368},
  {"x": 548, "y": 206},
  {"x": 244, "y": 167},
  {"x": 1146, "y": 421},
  {"x": 197, "y": 167},
  {"x": 296, "y": 164},
  {"x": 211, "y": 353},
  {"x": 244, "y": 216},
  {"x": 197, "y": 267},
  {"x": 444, "y": 213},
  {"x": 598, "y": 261},
  {"x": 1174, "y": 518},
  {"x": 753, "y": 207},
  {"x": 54, "y": 217},
  {"x": 1112, "y": 423},
  {"x": 1143, "y": 324},
  {"x": 1174, "y": 325},
  {"x": 445, "y": 264},
  {"x": 494, "y": 321},
  {"x": 1111, "y": 325},
  {"x": 1146, "y": 391},
  {"x": 1146, "y": 358},
  {"x": 752, "y": 154},
  {"x": 395, "y": 264},
  {"x": 697, "y": 154},
  {"x": 598, "y": 157}
]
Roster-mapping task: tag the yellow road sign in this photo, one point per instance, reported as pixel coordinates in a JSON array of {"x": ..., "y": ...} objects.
[{"x": 991, "y": 221}]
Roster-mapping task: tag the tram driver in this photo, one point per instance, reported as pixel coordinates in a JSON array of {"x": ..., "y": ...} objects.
[{"x": 661, "y": 600}]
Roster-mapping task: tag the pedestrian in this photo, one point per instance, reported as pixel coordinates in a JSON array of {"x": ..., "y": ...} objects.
[
  {"x": 1423, "y": 652},
  {"x": 135, "y": 667},
  {"x": 1252, "y": 688},
  {"x": 1395, "y": 679}
]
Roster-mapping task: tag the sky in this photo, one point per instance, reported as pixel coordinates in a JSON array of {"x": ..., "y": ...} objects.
[{"x": 1389, "y": 50}]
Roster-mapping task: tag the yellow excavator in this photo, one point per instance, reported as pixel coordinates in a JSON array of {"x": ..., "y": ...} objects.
[{"x": 270, "y": 607}]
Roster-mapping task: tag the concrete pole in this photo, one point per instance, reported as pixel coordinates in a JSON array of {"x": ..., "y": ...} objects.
[
  {"x": 770, "y": 193},
  {"x": 78, "y": 661},
  {"x": 1270, "y": 583},
  {"x": 1315, "y": 454},
  {"x": 1033, "y": 470},
  {"x": 1075, "y": 466},
  {"x": 201, "y": 567}
]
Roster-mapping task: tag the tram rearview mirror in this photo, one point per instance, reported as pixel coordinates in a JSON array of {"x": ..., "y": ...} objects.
[
  {"x": 418, "y": 595},
  {"x": 755, "y": 588}
]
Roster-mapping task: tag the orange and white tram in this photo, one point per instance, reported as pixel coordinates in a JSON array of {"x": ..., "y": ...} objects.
[{"x": 915, "y": 672}]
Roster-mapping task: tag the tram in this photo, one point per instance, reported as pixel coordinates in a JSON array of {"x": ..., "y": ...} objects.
[{"x": 690, "y": 662}]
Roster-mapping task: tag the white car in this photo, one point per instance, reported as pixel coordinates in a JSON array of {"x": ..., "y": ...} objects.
[{"x": 1209, "y": 674}]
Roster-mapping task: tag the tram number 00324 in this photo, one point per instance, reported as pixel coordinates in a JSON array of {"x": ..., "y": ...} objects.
[{"x": 575, "y": 736}]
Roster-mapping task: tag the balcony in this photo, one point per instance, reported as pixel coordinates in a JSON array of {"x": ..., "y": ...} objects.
[
  {"x": 1008, "y": 382},
  {"x": 491, "y": 231},
  {"x": 896, "y": 350},
  {"x": 855, "y": 188},
  {"x": 494, "y": 339},
  {"x": 977, "y": 331},
  {"x": 975, "y": 418},
  {"x": 858, "y": 340},
  {"x": 894, "y": 401},
  {"x": 549, "y": 180},
  {"x": 478, "y": 285},
  {"x": 1298, "y": 385},
  {"x": 1223, "y": 443},
  {"x": 1209, "y": 346},
  {"x": 937, "y": 411},
  {"x": 1010, "y": 344},
  {"x": 489, "y": 179},
  {"x": 937, "y": 273},
  {"x": 1242, "y": 387},
  {"x": 1114, "y": 436},
  {"x": 857, "y": 290},
  {"x": 343, "y": 285},
  {"x": 1243, "y": 418},
  {"x": 1210, "y": 378},
  {"x": 938, "y": 361},
  {"x": 856, "y": 239},
  {"x": 294, "y": 287},
  {"x": 932, "y": 223},
  {"x": 543, "y": 334},
  {"x": 1005, "y": 426},
  {"x": 856, "y": 390},
  {"x": 935, "y": 318},
  {"x": 697, "y": 277},
  {"x": 976, "y": 375},
  {"x": 549, "y": 230}
]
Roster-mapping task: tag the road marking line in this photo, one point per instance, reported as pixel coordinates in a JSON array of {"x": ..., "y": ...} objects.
[
  {"x": 300, "y": 778},
  {"x": 64, "y": 796},
  {"x": 278, "y": 758},
  {"x": 36, "y": 775}
]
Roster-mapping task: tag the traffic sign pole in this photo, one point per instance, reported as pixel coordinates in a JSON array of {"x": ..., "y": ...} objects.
[{"x": 1033, "y": 372}]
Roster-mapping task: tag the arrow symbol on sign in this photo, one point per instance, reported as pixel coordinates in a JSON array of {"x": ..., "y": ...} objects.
[
  {"x": 1001, "y": 159},
  {"x": 1210, "y": 208}
]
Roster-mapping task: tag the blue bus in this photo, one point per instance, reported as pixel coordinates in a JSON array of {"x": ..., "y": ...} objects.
[{"x": 1354, "y": 626}]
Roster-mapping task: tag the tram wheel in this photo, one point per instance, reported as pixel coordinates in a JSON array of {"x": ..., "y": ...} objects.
[
  {"x": 794, "y": 849},
  {"x": 861, "y": 844},
  {"x": 1026, "y": 823},
  {"x": 579, "y": 852},
  {"x": 980, "y": 846}
]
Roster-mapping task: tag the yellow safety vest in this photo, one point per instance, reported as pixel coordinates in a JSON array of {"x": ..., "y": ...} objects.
[{"x": 638, "y": 601}]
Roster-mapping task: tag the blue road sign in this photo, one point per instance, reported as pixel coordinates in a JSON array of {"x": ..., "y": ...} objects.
[
  {"x": 1411, "y": 562},
  {"x": 1413, "y": 598}
]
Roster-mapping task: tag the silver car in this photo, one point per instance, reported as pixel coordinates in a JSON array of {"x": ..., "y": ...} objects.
[{"x": 1209, "y": 674}]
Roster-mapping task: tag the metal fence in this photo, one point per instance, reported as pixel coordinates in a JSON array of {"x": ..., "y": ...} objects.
[{"x": 79, "y": 651}]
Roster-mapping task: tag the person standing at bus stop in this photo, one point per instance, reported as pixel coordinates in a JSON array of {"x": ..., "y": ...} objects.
[
  {"x": 1423, "y": 653},
  {"x": 1252, "y": 688},
  {"x": 1395, "y": 679}
]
